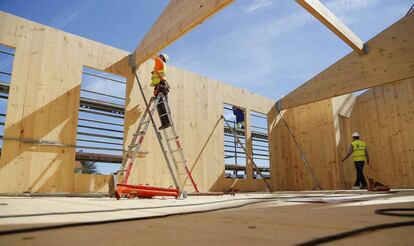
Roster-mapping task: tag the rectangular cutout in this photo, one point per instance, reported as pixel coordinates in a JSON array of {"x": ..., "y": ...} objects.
[
  {"x": 234, "y": 154},
  {"x": 100, "y": 132},
  {"x": 260, "y": 144},
  {"x": 6, "y": 67}
]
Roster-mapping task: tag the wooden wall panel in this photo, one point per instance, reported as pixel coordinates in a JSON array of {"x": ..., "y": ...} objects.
[
  {"x": 44, "y": 100},
  {"x": 312, "y": 126},
  {"x": 43, "y": 103},
  {"x": 197, "y": 103},
  {"x": 85, "y": 183},
  {"x": 384, "y": 117}
]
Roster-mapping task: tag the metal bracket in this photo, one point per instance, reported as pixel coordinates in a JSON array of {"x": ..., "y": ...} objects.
[
  {"x": 132, "y": 61},
  {"x": 364, "y": 50},
  {"x": 278, "y": 107}
]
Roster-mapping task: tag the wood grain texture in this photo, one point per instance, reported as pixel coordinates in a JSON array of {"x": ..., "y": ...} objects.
[
  {"x": 44, "y": 101},
  {"x": 384, "y": 117},
  {"x": 178, "y": 18},
  {"x": 390, "y": 59},
  {"x": 197, "y": 103},
  {"x": 326, "y": 17},
  {"x": 312, "y": 126},
  {"x": 85, "y": 183}
]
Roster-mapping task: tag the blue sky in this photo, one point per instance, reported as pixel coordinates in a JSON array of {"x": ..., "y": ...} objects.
[{"x": 268, "y": 47}]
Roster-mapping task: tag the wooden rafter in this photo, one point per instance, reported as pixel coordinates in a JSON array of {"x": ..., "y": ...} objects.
[
  {"x": 179, "y": 17},
  {"x": 324, "y": 15},
  {"x": 390, "y": 59}
]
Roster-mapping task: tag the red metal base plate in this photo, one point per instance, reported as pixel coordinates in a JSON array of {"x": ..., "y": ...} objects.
[{"x": 144, "y": 191}]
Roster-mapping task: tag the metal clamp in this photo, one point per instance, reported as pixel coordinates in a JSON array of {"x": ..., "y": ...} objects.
[{"x": 132, "y": 61}]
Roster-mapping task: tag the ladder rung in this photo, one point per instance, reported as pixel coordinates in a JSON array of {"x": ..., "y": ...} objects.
[
  {"x": 144, "y": 122},
  {"x": 139, "y": 133},
  {"x": 163, "y": 114},
  {"x": 175, "y": 150},
  {"x": 138, "y": 153},
  {"x": 169, "y": 139}
]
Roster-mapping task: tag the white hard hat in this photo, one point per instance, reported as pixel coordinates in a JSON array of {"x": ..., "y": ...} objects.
[
  {"x": 355, "y": 135},
  {"x": 166, "y": 58}
]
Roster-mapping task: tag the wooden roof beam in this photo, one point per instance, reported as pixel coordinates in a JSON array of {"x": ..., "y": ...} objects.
[
  {"x": 324, "y": 15},
  {"x": 390, "y": 59},
  {"x": 178, "y": 18}
]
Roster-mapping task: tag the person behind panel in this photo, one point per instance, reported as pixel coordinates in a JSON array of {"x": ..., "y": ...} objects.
[
  {"x": 160, "y": 84},
  {"x": 359, "y": 151},
  {"x": 239, "y": 113}
]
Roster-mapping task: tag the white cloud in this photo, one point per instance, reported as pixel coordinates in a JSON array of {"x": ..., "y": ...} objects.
[
  {"x": 260, "y": 54},
  {"x": 342, "y": 8},
  {"x": 257, "y": 5},
  {"x": 104, "y": 86},
  {"x": 348, "y": 5},
  {"x": 70, "y": 14}
]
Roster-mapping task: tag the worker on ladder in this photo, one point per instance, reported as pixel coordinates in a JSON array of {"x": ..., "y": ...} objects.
[
  {"x": 359, "y": 151},
  {"x": 159, "y": 82}
]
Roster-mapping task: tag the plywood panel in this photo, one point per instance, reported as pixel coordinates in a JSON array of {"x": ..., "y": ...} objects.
[{"x": 384, "y": 117}]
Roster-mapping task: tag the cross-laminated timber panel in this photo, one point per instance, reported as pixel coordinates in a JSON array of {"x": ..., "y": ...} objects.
[
  {"x": 44, "y": 100},
  {"x": 197, "y": 103},
  {"x": 390, "y": 58},
  {"x": 384, "y": 116},
  {"x": 43, "y": 103},
  {"x": 312, "y": 127}
]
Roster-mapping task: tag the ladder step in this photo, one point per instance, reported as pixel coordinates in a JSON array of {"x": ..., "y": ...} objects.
[
  {"x": 175, "y": 150},
  {"x": 139, "y": 133},
  {"x": 169, "y": 139},
  {"x": 144, "y": 122},
  {"x": 138, "y": 153}
]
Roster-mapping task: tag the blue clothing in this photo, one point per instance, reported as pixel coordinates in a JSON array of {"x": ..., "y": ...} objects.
[{"x": 239, "y": 113}]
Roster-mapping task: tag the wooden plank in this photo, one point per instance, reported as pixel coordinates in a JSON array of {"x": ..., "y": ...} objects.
[
  {"x": 324, "y": 15},
  {"x": 178, "y": 18},
  {"x": 390, "y": 59}
]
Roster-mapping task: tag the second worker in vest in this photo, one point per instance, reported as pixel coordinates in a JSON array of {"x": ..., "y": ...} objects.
[
  {"x": 159, "y": 81},
  {"x": 359, "y": 152}
]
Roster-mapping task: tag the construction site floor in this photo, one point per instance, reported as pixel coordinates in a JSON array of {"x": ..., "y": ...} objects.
[{"x": 281, "y": 218}]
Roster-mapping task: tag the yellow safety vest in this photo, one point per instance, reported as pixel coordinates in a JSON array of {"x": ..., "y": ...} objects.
[
  {"x": 359, "y": 150},
  {"x": 155, "y": 79}
]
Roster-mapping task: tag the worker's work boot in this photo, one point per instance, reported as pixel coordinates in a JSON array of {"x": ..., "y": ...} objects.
[{"x": 164, "y": 127}]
